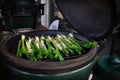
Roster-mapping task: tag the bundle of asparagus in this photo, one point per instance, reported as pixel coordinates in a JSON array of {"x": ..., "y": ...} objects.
[{"x": 51, "y": 47}]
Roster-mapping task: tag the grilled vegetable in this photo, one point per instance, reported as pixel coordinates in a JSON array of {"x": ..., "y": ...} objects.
[
  {"x": 32, "y": 49},
  {"x": 72, "y": 44},
  {"x": 43, "y": 46},
  {"x": 40, "y": 49},
  {"x": 23, "y": 49},
  {"x": 82, "y": 43},
  {"x": 49, "y": 49},
  {"x": 58, "y": 47},
  {"x": 19, "y": 54},
  {"x": 63, "y": 46}
]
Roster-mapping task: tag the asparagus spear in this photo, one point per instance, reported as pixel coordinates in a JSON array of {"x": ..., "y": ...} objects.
[
  {"x": 56, "y": 51},
  {"x": 63, "y": 46},
  {"x": 34, "y": 47},
  {"x": 39, "y": 50},
  {"x": 37, "y": 42},
  {"x": 23, "y": 47},
  {"x": 28, "y": 45},
  {"x": 75, "y": 46},
  {"x": 19, "y": 54},
  {"x": 43, "y": 46},
  {"x": 50, "y": 49},
  {"x": 83, "y": 44},
  {"x": 67, "y": 44}
]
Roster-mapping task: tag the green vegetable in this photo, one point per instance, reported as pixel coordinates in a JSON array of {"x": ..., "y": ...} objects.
[
  {"x": 23, "y": 48},
  {"x": 49, "y": 49},
  {"x": 40, "y": 51},
  {"x": 33, "y": 51},
  {"x": 63, "y": 46},
  {"x": 67, "y": 44},
  {"x": 56, "y": 51},
  {"x": 19, "y": 54},
  {"x": 82, "y": 43},
  {"x": 43, "y": 46},
  {"x": 58, "y": 47}
]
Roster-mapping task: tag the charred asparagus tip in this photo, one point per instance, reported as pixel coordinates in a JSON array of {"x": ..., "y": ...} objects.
[
  {"x": 71, "y": 35},
  {"x": 29, "y": 40},
  {"x": 37, "y": 41},
  {"x": 37, "y": 38},
  {"x": 23, "y": 37},
  {"x": 49, "y": 38},
  {"x": 58, "y": 36},
  {"x": 28, "y": 47},
  {"x": 42, "y": 37}
]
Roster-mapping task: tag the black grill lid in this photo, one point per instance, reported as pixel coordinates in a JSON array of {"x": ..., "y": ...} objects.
[{"x": 95, "y": 18}]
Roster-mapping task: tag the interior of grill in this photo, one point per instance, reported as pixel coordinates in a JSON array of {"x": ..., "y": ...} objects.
[{"x": 13, "y": 43}]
